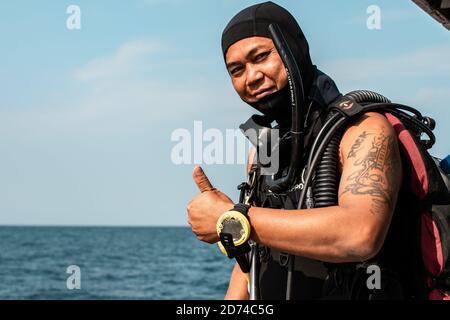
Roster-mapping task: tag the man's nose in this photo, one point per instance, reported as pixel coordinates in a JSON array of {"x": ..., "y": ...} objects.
[{"x": 254, "y": 77}]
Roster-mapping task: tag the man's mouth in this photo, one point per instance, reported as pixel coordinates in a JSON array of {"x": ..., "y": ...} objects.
[{"x": 263, "y": 93}]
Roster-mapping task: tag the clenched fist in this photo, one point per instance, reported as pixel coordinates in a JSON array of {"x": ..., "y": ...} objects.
[{"x": 205, "y": 209}]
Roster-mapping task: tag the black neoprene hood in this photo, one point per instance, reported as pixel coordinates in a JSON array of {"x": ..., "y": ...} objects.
[{"x": 255, "y": 20}]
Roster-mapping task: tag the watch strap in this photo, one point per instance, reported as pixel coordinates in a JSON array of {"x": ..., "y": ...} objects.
[{"x": 242, "y": 208}]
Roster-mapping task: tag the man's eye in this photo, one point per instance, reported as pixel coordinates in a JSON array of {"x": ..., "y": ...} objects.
[
  {"x": 236, "y": 71},
  {"x": 261, "y": 56}
]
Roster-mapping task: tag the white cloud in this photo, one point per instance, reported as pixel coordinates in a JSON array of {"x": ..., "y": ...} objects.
[
  {"x": 420, "y": 79},
  {"x": 124, "y": 60},
  {"x": 119, "y": 108},
  {"x": 117, "y": 97},
  {"x": 418, "y": 64}
]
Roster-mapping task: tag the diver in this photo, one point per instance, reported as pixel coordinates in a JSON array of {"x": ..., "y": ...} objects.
[{"x": 328, "y": 247}]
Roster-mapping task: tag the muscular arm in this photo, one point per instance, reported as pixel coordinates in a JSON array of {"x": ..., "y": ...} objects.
[{"x": 355, "y": 229}]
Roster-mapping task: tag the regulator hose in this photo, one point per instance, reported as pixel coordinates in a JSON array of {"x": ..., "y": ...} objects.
[
  {"x": 366, "y": 96},
  {"x": 325, "y": 184}
]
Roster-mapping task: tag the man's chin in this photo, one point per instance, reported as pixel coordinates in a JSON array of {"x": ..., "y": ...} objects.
[
  {"x": 250, "y": 101},
  {"x": 256, "y": 100},
  {"x": 265, "y": 94}
]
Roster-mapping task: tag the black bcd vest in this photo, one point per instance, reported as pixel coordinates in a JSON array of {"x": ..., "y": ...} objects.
[{"x": 314, "y": 279}]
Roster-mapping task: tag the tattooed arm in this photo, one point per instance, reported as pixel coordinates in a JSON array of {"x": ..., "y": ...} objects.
[
  {"x": 370, "y": 170},
  {"x": 355, "y": 229},
  {"x": 371, "y": 175}
]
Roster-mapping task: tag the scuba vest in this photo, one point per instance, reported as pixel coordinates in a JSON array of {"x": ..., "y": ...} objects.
[
  {"x": 273, "y": 264},
  {"x": 415, "y": 257}
]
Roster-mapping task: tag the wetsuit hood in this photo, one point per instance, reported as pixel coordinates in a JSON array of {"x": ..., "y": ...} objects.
[{"x": 254, "y": 21}]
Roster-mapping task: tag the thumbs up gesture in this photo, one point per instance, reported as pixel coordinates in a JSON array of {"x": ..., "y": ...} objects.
[{"x": 205, "y": 209}]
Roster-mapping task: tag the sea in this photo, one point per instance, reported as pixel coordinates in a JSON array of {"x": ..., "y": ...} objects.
[{"x": 104, "y": 263}]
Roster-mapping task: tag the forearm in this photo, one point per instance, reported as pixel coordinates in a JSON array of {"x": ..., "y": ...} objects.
[
  {"x": 238, "y": 287},
  {"x": 332, "y": 234}
]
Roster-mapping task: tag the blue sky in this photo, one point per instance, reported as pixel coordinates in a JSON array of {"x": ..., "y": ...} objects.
[{"x": 86, "y": 116}]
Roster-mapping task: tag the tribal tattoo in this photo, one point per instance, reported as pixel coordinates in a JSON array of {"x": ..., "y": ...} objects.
[
  {"x": 357, "y": 145},
  {"x": 375, "y": 171}
]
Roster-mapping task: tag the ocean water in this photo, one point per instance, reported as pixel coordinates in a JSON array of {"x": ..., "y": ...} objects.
[{"x": 115, "y": 263}]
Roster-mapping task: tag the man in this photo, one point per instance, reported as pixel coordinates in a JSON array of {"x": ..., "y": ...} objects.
[{"x": 347, "y": 234}]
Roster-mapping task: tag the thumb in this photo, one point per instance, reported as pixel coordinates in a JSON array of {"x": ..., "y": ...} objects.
[{"x": 201, "y": 180}]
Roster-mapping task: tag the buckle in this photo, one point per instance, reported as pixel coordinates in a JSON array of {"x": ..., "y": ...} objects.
[
  {"x": 264, "y": 254},
  {"x": 245, "y": 196},
  {"x": 284, "y": 259}
]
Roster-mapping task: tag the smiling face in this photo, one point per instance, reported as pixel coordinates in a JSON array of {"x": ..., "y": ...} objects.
[{"x": 255, "y": 68}]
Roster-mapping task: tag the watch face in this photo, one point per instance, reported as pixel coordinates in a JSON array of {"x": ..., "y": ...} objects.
[
  {"x": 236, "y": 224},
  {"x": 235, "y": 228}
]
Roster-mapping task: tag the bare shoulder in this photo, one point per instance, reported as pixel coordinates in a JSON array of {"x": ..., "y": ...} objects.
[{"x": 371, "y": 124}]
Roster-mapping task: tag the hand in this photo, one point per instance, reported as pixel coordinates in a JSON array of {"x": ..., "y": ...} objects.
[{"x": 205, "y": 209}]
